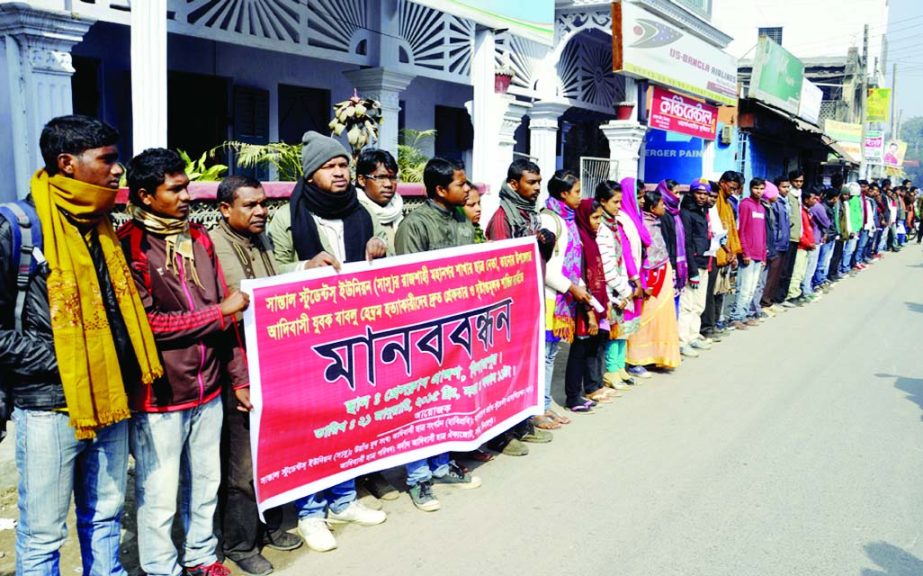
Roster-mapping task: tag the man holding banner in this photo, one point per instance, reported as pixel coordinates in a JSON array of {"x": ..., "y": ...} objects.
[
  {"x": 435, "y": 225},
  {"x": 326, "y": 218}
]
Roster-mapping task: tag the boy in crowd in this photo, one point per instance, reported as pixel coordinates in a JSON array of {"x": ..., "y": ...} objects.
[
  {"x": 176, "y": 427},
  {"x": 435, "y": 225},
  {"x": 752, "y": 231}
]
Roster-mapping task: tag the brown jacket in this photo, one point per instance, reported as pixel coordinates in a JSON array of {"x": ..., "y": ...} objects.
[{"x": 198, "y": 345}]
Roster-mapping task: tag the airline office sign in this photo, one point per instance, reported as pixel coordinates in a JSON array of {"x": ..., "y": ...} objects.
[{"x": 645, "y": 45}]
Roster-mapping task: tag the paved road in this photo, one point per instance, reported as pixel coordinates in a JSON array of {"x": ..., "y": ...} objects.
[{"x": 795, "y": 448}]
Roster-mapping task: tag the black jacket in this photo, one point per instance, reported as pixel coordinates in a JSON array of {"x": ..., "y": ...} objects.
[
  {"x": 28, "y": 366},
  {"x": 695, "y": 222}
]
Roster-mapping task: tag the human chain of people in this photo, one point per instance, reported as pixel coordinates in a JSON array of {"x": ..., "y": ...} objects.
[{"x": 141, "y": 341}]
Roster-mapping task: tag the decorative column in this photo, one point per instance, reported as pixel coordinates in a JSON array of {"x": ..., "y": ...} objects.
[
  {"x": 625, "y": 138},
  {"x": 486, "y": 109},
  {"x": 35, "y": 86},
  {"x": 385, "y": 86},
  {"x": 543, "y": 134},
  {"x": 149, "y": 74}
]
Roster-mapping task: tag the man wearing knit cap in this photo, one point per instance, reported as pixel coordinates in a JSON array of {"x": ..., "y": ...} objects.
[
  {"x": 693, "y": 212},
  {"x": 325, "y": 225}
]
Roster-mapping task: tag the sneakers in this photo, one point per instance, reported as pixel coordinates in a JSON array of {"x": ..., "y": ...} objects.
[
  {"x": 214, "y": 569},
  {"x": 457, "y": 478},
  {"x": 701, "y": 344},
  {"x": 357, "y": 513},
  {"x": 688, "y": 351},
  {"x": 281, "y": 540},
  {"x": 255, "y": 565},
  {"x": 423, "y": 498},
  {"x": 515, "y": 448},
  {"x": 316, "y": 534}
]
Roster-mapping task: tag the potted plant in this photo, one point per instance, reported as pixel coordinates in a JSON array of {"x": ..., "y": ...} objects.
[
  {"x": 503, "y": 74},
  {"x": 624, "y": 110}
]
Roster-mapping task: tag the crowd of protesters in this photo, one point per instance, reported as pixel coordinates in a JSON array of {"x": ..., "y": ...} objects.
[{"x": 117, "y": 343}]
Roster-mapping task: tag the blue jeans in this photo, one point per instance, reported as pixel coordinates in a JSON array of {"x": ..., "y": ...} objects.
[
  {"x": 173, "y": 449},
  {"x": 424, "y": 470},
  {"x": 755, "y": 309},
  {"x": 807, "y": 287},
  {"x": 747, "y": 277},
  {"x": 849, "y": 248},
  {"x": 52, "y": 465},
  {"x": 823, "y": 262},
  {"x": 337, "y": 498},
  {"x": 551, "y": 352},
  {"x": 859, "y": 255}
]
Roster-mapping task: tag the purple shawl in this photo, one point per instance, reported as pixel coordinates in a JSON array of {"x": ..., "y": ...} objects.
[
  {"x": 631, "y": 208},
  {"x": 671, "y": 201},
  {"x": 565, "y": 307}
]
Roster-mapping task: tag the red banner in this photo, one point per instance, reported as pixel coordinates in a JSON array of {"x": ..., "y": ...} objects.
[
  {"x": 676, "y": 113},
  {"x": 387, "y": 363}
]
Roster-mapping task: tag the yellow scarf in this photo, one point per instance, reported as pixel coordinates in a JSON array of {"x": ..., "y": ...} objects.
[
  {"x": 85, "y": 350},
  {"x": 176, "y": 234},
  {"x": 732, "y": 249}
]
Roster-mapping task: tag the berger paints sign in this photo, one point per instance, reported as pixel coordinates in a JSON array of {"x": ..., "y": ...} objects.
[
  {"x": 777, "y": 76},
  {"x": 645, "y": 45}
]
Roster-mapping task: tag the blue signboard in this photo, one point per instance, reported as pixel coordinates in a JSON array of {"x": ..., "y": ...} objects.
[{"x": 672, "y": 155}]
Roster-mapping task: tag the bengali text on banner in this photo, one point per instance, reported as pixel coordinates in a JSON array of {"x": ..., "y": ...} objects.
[{"x": 386, "y": 363}]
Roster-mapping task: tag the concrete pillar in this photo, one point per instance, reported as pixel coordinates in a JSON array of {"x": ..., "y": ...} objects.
[
  {"x": 35, "y": 86},
  {"x": 486, "y": 108},
  {"x": 495, "y": 175},
  {"x": 149, "y": 74},
  {"x": 625, "y": 138},
  {"x": 385, "y": 86},
  {"x": 543, "y": 134}
]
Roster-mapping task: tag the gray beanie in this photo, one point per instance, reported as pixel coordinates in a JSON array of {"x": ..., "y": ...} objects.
[{"x": 317, "y": 149}]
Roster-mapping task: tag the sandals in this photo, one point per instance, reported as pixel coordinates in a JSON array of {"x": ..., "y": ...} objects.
[
  {"x": 545, "y": 422},
  {"x": 557, "y": 417},
  {"x": 602, "y": 396},
  {"x": 585, "y": 407}
]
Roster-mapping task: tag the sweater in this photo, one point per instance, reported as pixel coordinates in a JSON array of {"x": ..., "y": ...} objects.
[{"x": 752, "y": 229}]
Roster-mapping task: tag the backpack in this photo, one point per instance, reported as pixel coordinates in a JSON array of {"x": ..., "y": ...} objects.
[{"x": 27, "y": 250}]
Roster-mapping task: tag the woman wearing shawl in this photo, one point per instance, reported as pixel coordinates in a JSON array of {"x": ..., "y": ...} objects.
[
  {"x": 657, "y": 339},
  {"x": 621, "y": 293},
  {"x": 563, "y": 283},
  {"x": 635, "y": 240},
  {"x": 583, "y": 378}
]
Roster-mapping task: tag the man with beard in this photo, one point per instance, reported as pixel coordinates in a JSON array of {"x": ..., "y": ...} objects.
[{"x": 326, "y": 223}]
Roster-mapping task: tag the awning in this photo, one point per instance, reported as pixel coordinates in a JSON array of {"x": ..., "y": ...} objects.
[
  {"x": 818, "y": 135},
  {"x": 839, "y": 150}
]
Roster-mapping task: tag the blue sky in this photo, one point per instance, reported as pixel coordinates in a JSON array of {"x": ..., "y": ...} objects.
[{"x": 905, "y": 47}]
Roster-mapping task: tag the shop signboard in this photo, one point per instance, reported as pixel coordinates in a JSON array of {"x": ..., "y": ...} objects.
[
  {"x": 673, "y": 155},
  {"x": 878, "y": 105},
  {"x": 676, "y": 113},
  {"x": 849, "y": 137},
  {"x": 777, "y": 76},
  {"x": 809, "y": 105},
  {"x": 874, "y": 146},
  {"x": 646, "y": 46}
]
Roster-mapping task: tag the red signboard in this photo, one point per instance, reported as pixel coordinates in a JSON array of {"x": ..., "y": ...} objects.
[
  {"x": 676, "y": 113},
  {"x": 387, "y": 363}
]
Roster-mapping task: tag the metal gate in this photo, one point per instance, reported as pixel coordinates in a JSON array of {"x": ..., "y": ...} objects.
[{"x": 596, "y": 170}]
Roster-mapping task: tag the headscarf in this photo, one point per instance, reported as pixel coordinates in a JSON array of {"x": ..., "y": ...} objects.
[
  {"x": 771, "y": 191},
  {"x": 632, "y": 210},
  {"x": 593, "y": 272},
  {"x": 565, "y": 308},
  {"x": 671, "y": 201},
  {"x": 84, "y": 347}
]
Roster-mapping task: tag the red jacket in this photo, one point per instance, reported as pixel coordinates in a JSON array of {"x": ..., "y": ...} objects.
[
  {"x": 807, "y": 231},
  {"x": 199, "y": 346}
]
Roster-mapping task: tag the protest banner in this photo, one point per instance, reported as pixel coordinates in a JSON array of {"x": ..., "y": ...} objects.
[{"x": 388, "y": 363}]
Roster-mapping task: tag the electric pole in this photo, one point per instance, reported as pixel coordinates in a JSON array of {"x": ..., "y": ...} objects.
[{"x": 893, "y": 97}]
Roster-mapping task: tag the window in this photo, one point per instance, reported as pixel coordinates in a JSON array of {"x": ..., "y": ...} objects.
[{"x": 774, "y": 33}]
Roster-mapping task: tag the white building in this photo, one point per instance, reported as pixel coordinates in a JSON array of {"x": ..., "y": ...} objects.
[{"x": 193, "y": 73}]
